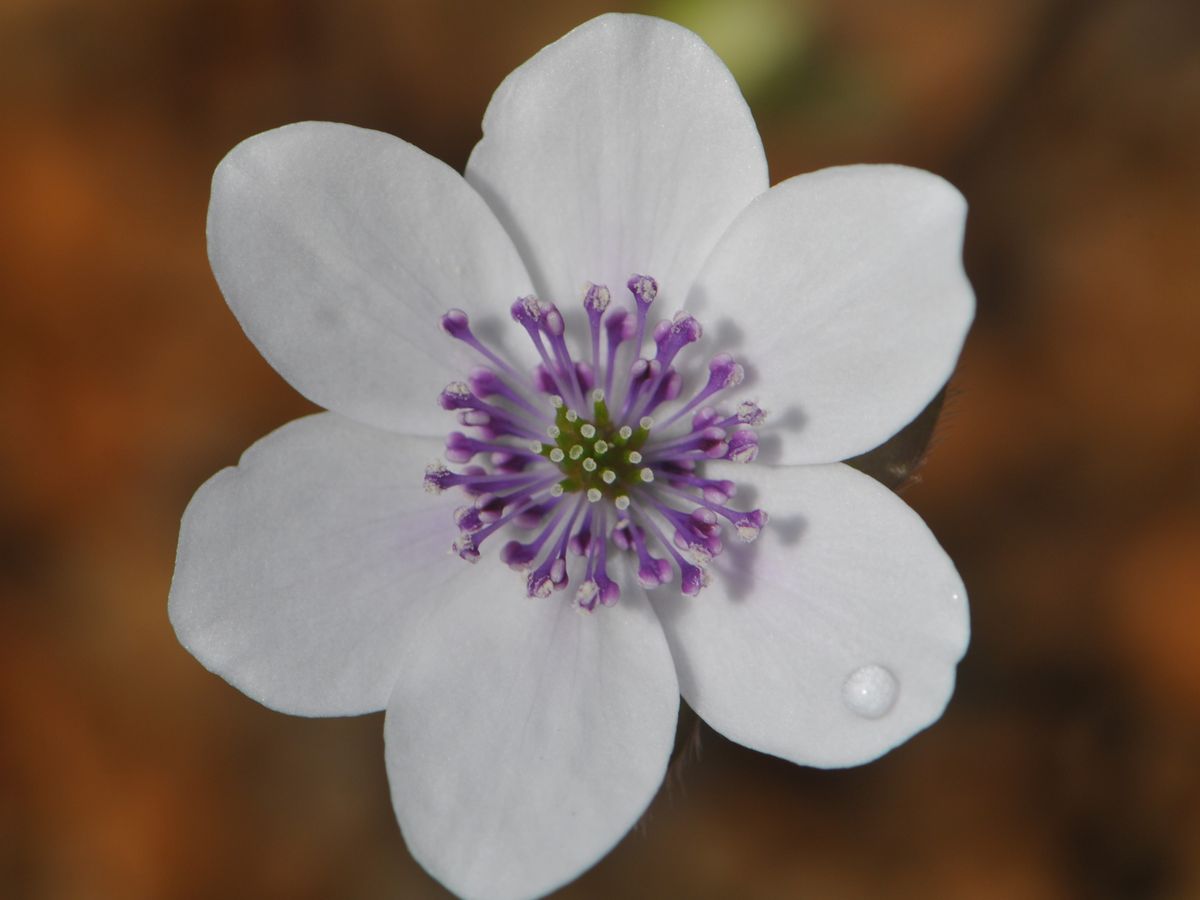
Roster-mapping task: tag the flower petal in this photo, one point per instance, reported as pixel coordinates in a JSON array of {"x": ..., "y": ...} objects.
[
  {"x": 339, "y": 249},
  {"x": 846, "y": 602},
  {"x": 623, "y": 147},
  {"x": 844, "y": 291},
  {"x": 524, "y": 738},
  {"x": 298, "y": 570}
]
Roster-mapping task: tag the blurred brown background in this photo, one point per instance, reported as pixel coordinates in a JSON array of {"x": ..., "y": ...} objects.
[{"x": 1064, "y": 477}]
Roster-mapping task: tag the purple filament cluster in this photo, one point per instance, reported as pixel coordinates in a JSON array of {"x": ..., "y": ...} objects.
[{"x": 596, "y": 456}]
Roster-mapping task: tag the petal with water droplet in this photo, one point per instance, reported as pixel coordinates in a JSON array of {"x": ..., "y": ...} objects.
[{"x": 832, "y": 638}]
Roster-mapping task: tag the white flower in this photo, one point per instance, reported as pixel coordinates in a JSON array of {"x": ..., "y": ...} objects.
[{"x": 523, "y": 739}]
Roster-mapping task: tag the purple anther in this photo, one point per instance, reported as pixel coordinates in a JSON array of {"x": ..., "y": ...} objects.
[
  {"x": 643, "y": 370},
  {"x": 457, "y": 395},
  {"x": 545, "y": 381},
  {"x": 684, "y": 329},
  {"x": 623, "y": 534},
  {"x": 704, "y": 417},
  {"x": 558, "y": 573},
  {"x": 581, "y": 541},
  {"x": 552, "y": 320},
  {"x": 750, "y": 413},
  {"x": 490, "y": 507},
  {"x": 705, "y": 521},
  {"x": 531, "y": 516},
  {"x": 718, "y": 491},
  {"x": 465, "y": 548},
  {"x": 619, "y": 326},
  {"x": 693, "y": 579},
  {"x": 475, "y": 418},
  {"x": 725, "y": 372},
  {"x": 668, "y": 389},
  {"x": 519, "y": 556},
  {"x": 540, "y": 583},
  {"x": 610, "y": 591},
  {"x": 527, "y": 311},
  {"x": 588, "y": 595},
  {"x": 596, "y": 299},
  {"x": 714, "y": 449},
  {"x": 743, "y": 446},
  {"x": 644, "y": 289},
  {"x": 456, "y": 324},
  {"x": 653, "y": 571},
  {"x": 460, "y": 448},
  {"x": 438, "y": 478},
  {"x": 748, "y": 525},
  {"x": 467, "y": 519},
  {"x": 486, "y": 383},
  {"x": 510, "y": 463}
]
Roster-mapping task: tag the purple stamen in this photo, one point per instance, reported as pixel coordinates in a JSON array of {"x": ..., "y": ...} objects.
[
  {"x": 532, "y": 316},
  {"x": 652, "y": 571},
  {"x": 723, "y": 373},
  {"x": 481, "y": 414},
  {"x": 456, "y": 324},
  {"x": 698, "y": 532},
  {"x": 716, "y": 491},
  {"x": 551, "y": 575},
  {"x": 748, "y": 524},
  {"x": 461, "y": 449},
  {"x": 619, "y": 328},
  {"x": 596, "y": 301},
  {"x": 673, "y": 335},
  {"x": 438, "y": 478},
  {"x": 692, "y": 577},
  {"x": 486, "y": 383},
  {"x": 642, "y": 373},
  {"x": 520, "y": 556},
  {"x": 711, "y": 442},
  {"x": 668, "y": 389},
  {"x": 743, "y": 446},
  {"x": 627, "y": 472}
]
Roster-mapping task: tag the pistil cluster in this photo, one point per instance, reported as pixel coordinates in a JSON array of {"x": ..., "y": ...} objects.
[{"x": 596, "y": 457}]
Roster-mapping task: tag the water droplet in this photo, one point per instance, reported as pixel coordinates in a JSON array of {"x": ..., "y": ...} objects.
[{"x": 870, "y": 691}]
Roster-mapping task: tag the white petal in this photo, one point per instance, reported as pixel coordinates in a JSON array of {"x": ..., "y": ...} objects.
[
  {"x": 624, "y": 147},
  {"x": 298, "y": 570},
  {"x": 844, "y": 579},
  {"x": 844, "y": 292},
  {"x": 339, "y": 249},
  {"x": 525, "y": 738}
]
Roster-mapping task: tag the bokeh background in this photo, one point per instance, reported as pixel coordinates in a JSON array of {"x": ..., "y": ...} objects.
[{"x": 1063, "y": 477}]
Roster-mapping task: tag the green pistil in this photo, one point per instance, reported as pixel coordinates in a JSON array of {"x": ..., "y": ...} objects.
[{"x": 596, "y": 457}]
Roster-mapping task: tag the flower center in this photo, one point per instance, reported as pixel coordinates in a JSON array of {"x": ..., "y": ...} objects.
[
  {"x": 572, "y": 460},
  {"x": 598, "y": 457}
]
